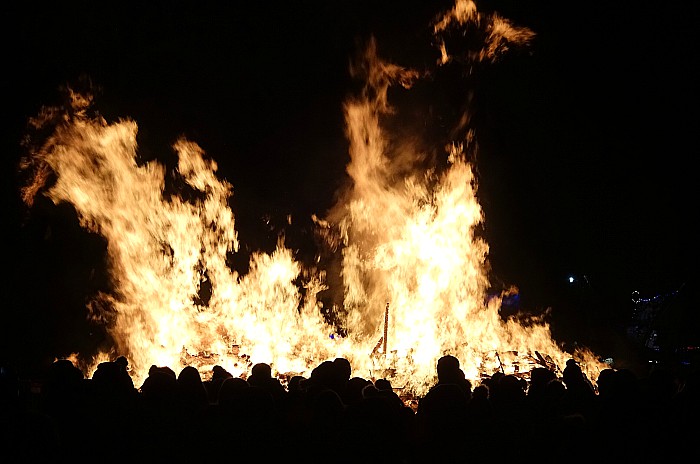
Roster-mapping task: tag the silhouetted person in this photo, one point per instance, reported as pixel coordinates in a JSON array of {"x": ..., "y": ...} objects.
[
  {"x": 296, "y": 414},
  {"x": 220, "y": 420},
  {"x": 580, "y": 395},
  {"x": 191, "y": 394},
  {"x": 449, "y": 371},
  {"x": 322, "y": 377},
  {"x": 383, "y": 385},
  {"x": 257, "y": 420},
  {"x": 66, "y": 396},
  {"x": 385, "y": 389},
  {"x": 341, "y": 375},
  {"x": 261, "y": 376},
  {"x": 160, "y": 387},
  {"x": 572, "y": 400},
  {"x": 510, "y": 410},
  {"x": 296, "y": 384},
  {"x": 327, "y": 416},
  {"x": 441, "y": 418},
  {"x": 539, "y": 378},
  {"x": 620, "y": 411},
  {"x": 231, "y": 391},
  {"x": 115, "y": 399},
  {"x": 479, "y": 409},
  {"x": 370, "y": 391},
  {"x": 219, "y": 374},
  {"x": 160, "y": 427},
  {"x": 555, "y": 392},
  {"x": 379, "y": 422},
  {"x": 481, "y": 437},
  {"x": 63, "y": 391},
  {"x": 353, "y": 390},
  {"x": 606, "y": 384},
  {"x": 112, "y": 378},
  {"x": 543, "y": 411}
]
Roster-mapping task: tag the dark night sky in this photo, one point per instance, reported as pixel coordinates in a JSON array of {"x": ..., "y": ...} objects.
[{"x": 587, "y": 138}]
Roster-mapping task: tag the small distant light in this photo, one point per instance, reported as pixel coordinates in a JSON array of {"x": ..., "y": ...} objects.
[{"x": 571, "y": 279}]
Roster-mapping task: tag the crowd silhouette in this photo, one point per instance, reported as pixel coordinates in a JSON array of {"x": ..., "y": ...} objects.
[{"x": 333, "y": 416}]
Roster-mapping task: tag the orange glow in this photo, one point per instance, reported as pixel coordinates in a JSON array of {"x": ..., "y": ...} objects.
[{"x": 408, "y": 241}]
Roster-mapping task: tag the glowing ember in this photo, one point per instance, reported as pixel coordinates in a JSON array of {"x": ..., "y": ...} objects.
[{"x": 415, "y": 286}]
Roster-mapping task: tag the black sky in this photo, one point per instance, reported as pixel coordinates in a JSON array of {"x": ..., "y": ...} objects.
[{"x": 587, "y": 138}]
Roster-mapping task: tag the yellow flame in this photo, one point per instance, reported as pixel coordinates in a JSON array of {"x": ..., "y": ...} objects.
[
  {"x": 409, "y": 247},
  {"x": 497, "y": 33}
]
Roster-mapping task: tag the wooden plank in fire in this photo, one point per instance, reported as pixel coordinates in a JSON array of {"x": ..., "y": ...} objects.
[
  {"x": 547, "y": 362},
  {"x": 375, "y": 351},
  {"x": 383, "y": 339}
]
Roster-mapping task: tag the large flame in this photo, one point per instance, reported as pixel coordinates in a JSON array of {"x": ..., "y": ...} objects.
[{"x": 413, "y": 266}]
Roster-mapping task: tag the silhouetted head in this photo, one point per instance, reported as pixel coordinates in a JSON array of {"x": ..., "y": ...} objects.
[
  {"x": 327, "y": 404},
  {"x": 555, "y": 390},
  {"x": 190, "y": 387},
  {"x": 260, "y": 375},
  {"x": 232, "y": 388},
  {"x": 296, "y": 384},
  {"x": 626, "y": 382},
  {"x": 261, "y": 370},
  {"x": 122, "y": 361},
  {"x": 112, "y": 377},
  {"x": 392, "y": 397},
  {"x": 480, "y": 392},
  {"x": 189, "y": 374},
  {"x": 383, "y": 384},
  {"x": 494, "y": 379},
  {"x": 342, "y": 369},
  {"x": 573, "y": 375},
  {"x": 539, "y": 376},
  {"x": 510, "y": 389},
  {"x": 322, "y": 376},
  {"x": 353, "y": 392},
  {"x": 106, "y": 372},
  {"x": 219, "y": 373},
  {"x": 64, "y": 371},
  {"x": 160, "y": 385},
  {"x": 447, "y": 365},
  {"x": 606, "y": 382},
  {"x": 168, "y": 370},
  {"x": 370, "y": 391}
]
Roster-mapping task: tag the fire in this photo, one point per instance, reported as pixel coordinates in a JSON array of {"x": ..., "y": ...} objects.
[{"x": 414, "y": 268}]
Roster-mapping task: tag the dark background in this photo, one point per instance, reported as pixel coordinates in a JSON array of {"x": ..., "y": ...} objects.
[{"x": 587, "y": 139}]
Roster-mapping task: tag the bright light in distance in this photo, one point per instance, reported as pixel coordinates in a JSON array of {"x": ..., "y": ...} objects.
[{"x": 571, "y": 279}]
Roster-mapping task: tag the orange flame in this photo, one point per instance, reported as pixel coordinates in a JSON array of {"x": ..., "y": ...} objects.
[{"x": 413, "y": 266}]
